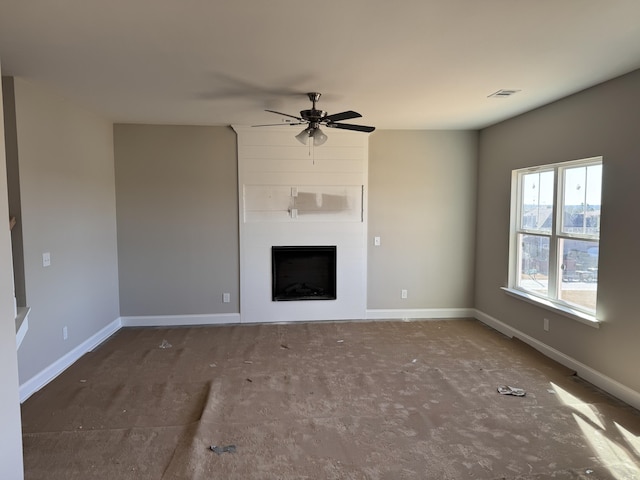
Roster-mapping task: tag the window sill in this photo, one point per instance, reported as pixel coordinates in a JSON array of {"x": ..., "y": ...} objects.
[{"x": 564, "y": 310}]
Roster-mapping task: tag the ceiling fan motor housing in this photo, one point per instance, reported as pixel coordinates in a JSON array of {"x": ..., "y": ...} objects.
[{"x": 313, "y": 115}]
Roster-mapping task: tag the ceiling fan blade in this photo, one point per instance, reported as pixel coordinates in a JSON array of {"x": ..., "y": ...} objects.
[
  {"x": 349, "y": 126},
  {"x": 279, "y": 124},
  {"x": 336, "y": 117},
  {"x": 286, "y": 115}
]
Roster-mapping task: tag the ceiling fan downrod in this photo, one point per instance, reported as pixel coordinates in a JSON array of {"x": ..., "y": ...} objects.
[
  {"x": 314, "y": 116},
  {"x": 314, "y": 97}
]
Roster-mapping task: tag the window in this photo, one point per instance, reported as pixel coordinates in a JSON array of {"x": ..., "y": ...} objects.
[{"x": 555, "y": 233}]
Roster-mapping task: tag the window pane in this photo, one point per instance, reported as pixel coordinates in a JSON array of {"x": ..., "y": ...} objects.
[
  {"x": 537, "y": 201},
  {"x": 581, "y": 210},
  {"x": 579, "y": 272},
  {"x": 534, "y": 263}
]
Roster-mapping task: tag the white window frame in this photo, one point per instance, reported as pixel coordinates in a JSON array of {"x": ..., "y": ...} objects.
[{"x": 550, "y": 301}]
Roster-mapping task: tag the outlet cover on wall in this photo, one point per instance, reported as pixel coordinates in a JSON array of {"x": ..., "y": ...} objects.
[
  {"x": 404, "y": 293},
  {"x": 226, "y": 297},
  {"x": 65, "y": 333},
  {"x": 46, "y": 259}
]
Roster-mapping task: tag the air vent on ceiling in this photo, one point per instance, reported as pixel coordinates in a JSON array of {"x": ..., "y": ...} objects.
[{"x": 503, "y": 93}]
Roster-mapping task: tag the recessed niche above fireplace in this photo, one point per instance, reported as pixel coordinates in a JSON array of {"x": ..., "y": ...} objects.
[
  {"x": 303, "y": 273},
  {"x": 310, "y": 203}
]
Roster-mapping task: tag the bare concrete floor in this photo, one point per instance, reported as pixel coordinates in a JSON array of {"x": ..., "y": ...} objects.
[{"x": 378, "y": 400}]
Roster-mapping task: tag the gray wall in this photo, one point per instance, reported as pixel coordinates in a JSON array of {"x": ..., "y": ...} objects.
[
  {"x": 13, "y": 187},
  {"x": 10, "y": 430},
  {"x": 68, "y": 209},
  {"x": 603, "y": 120},
  {"x": 422, "y": 192},
  {"x": 177, "y": 205},
  {"x": 176, "y": 190}
]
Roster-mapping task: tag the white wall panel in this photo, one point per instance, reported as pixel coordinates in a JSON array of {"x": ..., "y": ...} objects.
[{"x": 331, "y": 183}]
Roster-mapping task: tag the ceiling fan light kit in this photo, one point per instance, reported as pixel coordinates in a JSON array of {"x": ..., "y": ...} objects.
[
  {"x": 318, "y": 136},
  {"x": 313, "y": 118}
]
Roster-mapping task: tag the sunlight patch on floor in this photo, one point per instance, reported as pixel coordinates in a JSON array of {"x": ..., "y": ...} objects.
[
  {"x": 589, "y": 411},
  {"x": 617, "y": 460},
  {"x": 632, "y": 440}
]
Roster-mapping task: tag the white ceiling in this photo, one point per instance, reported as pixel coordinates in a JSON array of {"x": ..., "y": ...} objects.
[{"x": 406, "y": 64}]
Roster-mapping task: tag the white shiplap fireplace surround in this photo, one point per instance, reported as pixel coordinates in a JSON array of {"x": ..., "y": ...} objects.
[{"x": 296, "y": 195}]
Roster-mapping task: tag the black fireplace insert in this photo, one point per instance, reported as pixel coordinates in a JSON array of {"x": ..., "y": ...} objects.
[{"x": 303, "y": 273}]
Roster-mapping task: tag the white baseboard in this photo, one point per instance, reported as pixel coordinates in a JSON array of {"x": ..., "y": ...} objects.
[
  {"x": 39, "y": 380},
  {"x": 585, "y": 372},
  {"x": 420, "y": 313},
  {"x": 181, "y": 320}
]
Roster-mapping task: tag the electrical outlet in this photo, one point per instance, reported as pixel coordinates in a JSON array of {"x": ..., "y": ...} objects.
[
  {"x": 226, "y": 297},
  {"x": 376, "y": 241},
  {"x": 65, "y": 333},
  {"x": 403, "y": 294},
  {"x": 545, "y": 324},
  {"x": 46, "y": 259}
]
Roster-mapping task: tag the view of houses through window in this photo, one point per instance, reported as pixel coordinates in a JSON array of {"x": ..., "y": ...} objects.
[{"x": 556, "y": 232}]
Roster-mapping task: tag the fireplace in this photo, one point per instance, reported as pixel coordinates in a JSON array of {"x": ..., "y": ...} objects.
[{"x": 303, "y": 273}]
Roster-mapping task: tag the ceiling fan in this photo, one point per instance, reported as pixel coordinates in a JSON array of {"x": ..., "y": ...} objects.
[{"x": 313, "y": 118}]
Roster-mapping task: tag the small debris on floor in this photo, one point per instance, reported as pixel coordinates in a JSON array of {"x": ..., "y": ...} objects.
[
  {"x": 508, "y": 390},
  {"x": 165, "y": 344},
  {"x": 414, "y": 360},
  {"x": 286, "y": 347},
  {"x": 224, "y": 449},
  {"x": 248, "y": 362},
  {"x": 249, "y": 380},
  {"x": 340, "y": 341},
  {"x": 588, "y": 471},
  {"x": 213, "y": 365},
  {"x": 83, "y": 381}
]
